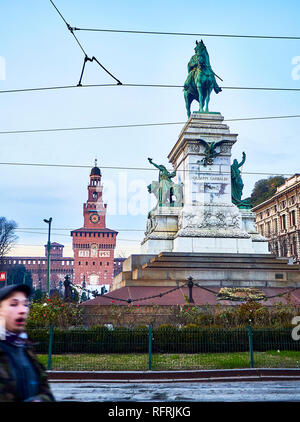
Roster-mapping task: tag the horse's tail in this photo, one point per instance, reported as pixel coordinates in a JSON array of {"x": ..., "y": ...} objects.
[{"x": 217, "y": 88}]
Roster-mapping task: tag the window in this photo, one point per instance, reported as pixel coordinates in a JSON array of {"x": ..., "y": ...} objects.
[
  {"x": 83, "y": 253},
  {"x": 261, "y": 230},
  {"x": 276, "y": 226},
  {"x": 268, "y": 228},
  {"x": 284, "y": 251},
  {"x": 33, "y": 262},
  {"x": 79, "y": 262},
  {"x": 294, "y": 246},
  {"x": 94, "y": 262},
  {"x": 107, "y": 263},
  {"x": 62, "y": 262},
  {"x": 283, "y": 223},
  {"x": 293, "y": 218}
]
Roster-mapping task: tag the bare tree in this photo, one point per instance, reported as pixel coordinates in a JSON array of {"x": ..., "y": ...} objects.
[{"x": 7, "y": 235}]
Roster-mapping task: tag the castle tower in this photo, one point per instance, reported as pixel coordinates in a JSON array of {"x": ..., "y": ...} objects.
[{"x": 94, "y": 243}]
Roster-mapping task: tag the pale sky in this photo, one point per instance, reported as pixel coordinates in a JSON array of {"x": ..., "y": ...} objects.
[{"x": 37, "y": 50}]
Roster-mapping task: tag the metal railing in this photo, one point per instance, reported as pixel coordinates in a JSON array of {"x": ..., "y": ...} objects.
[{"x": 165, "y": 348}]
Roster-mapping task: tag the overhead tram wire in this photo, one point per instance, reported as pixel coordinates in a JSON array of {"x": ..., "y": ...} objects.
[
  {"x": 189, "y": 34},
  {"x": 86, "y": 57},
  {"x": 133, "y": 168},
  {"x": 136, "y": 85},
  {"x": 139, "y": 125}
]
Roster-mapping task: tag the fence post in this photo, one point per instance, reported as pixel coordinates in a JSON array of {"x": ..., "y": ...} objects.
[
  {"x": 250, "y": 334},
  {"x": 49, "y": 367},
  {"x": 150, "y": 348}
]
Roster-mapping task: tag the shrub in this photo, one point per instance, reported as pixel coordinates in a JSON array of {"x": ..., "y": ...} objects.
[{"x": 54, "y": 311}]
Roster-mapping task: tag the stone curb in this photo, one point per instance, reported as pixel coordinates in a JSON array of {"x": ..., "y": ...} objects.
[{"x": 222, "y": 375}]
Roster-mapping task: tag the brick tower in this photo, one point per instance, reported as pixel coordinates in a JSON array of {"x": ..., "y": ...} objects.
[{"x": 94, "y": 243}]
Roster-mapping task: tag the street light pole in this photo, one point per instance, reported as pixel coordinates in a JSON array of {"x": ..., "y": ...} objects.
[{"x": 48, "y": 254}]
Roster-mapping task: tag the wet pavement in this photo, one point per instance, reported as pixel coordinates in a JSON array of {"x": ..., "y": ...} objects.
[{"x": 172, "y": 392}]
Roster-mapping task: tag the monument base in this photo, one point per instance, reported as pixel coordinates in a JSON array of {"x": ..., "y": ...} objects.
[
  {"x": 207, "y": 269},
  {"x": 213, "y": 245},
  {"x": 162, "y": 226}
]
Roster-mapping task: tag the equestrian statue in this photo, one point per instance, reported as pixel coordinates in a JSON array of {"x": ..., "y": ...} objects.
[{"x": 200, "y": 81}]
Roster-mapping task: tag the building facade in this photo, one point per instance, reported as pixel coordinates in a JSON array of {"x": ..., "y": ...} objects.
[
  {"x": 93, "y": 264},
  {"x": 278, "y": 219},
  {"x": 60, "y": 266},
  {"x": 94, "y": 243}
]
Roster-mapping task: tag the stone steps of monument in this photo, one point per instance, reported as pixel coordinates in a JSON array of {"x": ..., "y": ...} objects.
[
  {"x": 212, "y": 260},
  {"x": 221, "y": 265},
  {"x": 219, "y": 260},
  {"x": 209, "y": 273},
  {"x": 232, "y": 256}
]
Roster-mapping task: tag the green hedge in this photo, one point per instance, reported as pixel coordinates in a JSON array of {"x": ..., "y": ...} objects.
[{"x": 165, "y": 340}]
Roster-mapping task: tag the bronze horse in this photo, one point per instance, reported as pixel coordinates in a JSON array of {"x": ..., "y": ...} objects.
[{"x": 200, "y": 81}]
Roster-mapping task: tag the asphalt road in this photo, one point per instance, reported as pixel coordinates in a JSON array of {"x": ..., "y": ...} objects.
[{"x": 163, "y": 392}]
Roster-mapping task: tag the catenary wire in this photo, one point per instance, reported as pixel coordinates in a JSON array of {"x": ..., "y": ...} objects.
[
  {"x": 83, "y": 50},
  {"x": 141, "y": 125},
  {"x": 193, "y": 34},
  {"x": 134, "y": 168},
  {"x": 66, "y": 235},
  {"x": 141, "y": 86}
]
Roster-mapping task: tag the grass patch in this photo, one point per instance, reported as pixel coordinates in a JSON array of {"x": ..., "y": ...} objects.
[{"x": 139, "y": 362}]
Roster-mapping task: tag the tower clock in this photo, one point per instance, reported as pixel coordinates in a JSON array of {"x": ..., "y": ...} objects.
[{"x": 94, "y": 218}]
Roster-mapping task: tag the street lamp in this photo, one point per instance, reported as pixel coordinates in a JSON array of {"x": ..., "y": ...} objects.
[{"x": 48, "y": 254}]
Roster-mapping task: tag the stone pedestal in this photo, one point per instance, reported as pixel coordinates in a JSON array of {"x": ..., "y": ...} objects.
[
  {"x": 259, "y": 242},
  {"x": 209, "y": 221},
  {"x": 162, "y": 226}
]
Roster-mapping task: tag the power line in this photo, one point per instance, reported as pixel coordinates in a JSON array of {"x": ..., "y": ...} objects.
[
  {"x": 134, "y": 168},
  {"x": 86, "y": 57},
  {"x": 66, "y": 235},
  {"x": 273, "y": 37},
  {"x": 141, "y": 86},
  {"x": 139, "y": 125},
  {"x": 70, "y": 229}
]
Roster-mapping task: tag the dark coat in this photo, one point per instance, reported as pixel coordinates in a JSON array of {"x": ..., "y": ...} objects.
[{"x": 8, "y": 387}]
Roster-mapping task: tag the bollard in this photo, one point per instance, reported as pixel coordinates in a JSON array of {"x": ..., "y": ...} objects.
[
  {"x": 150, "y": 348},
  {"x": 49, "y": 367},
  {"x": 250, "y": 334}
]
